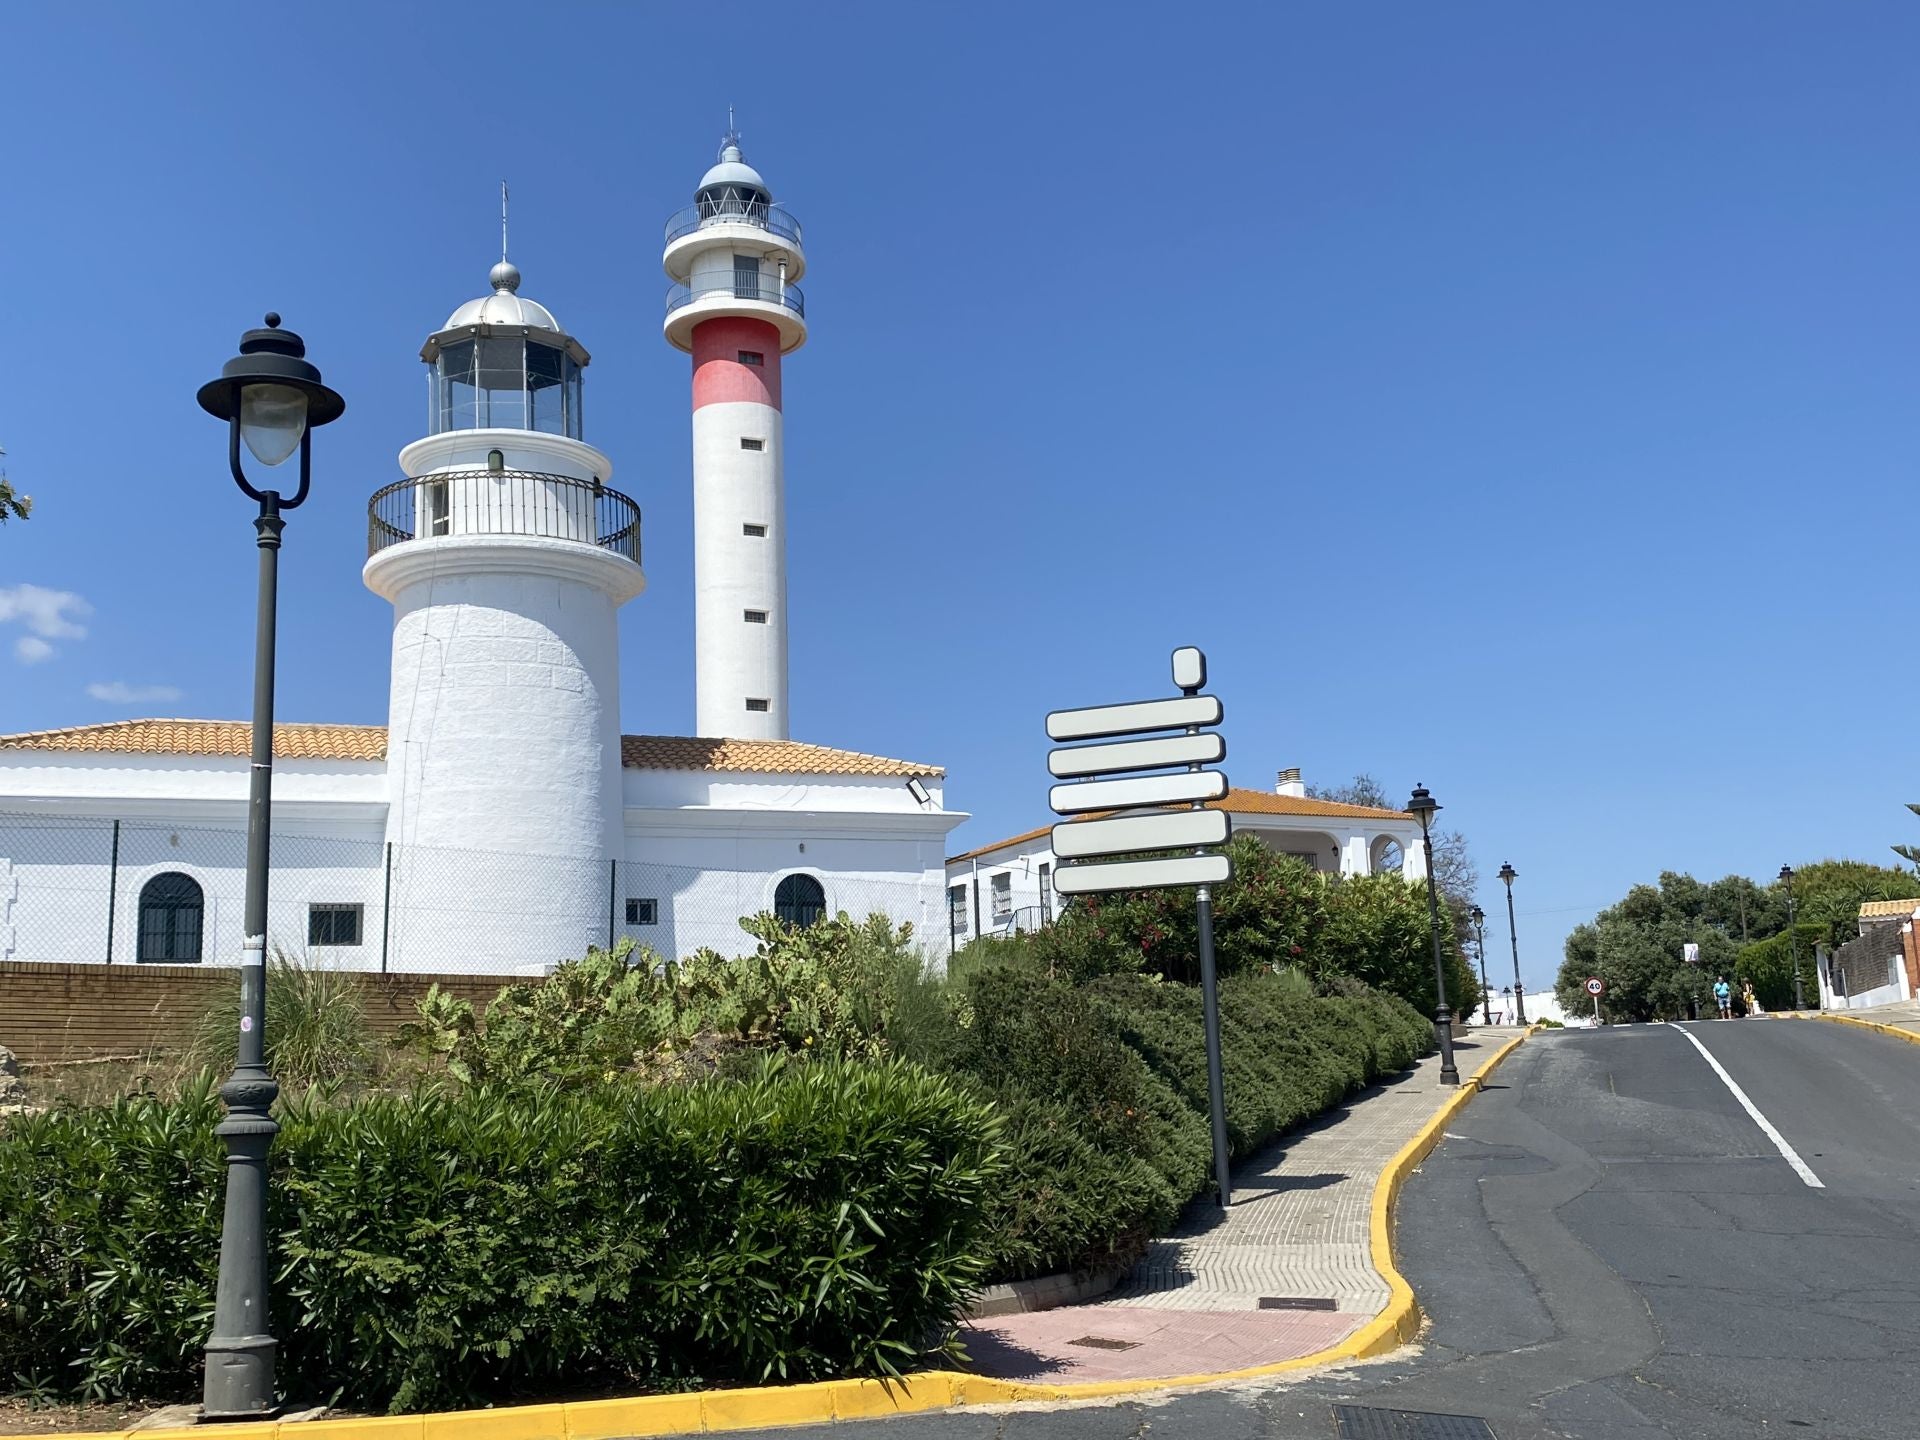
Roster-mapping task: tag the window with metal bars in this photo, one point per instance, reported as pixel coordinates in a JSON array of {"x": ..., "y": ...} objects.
[{"x": 333, "y": 924}]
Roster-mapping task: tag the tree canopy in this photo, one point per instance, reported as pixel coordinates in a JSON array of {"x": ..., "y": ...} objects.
[{"x": 1638, "y": 945}]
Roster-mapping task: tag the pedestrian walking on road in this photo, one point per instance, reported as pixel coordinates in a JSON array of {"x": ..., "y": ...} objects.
[{"x": 1723, "y": 997}]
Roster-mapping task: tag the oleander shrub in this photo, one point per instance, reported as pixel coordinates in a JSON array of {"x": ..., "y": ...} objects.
[{"x": 457, "y": 1246}]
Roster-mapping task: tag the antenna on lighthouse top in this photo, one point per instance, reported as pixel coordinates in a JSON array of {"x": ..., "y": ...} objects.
[
  {"x": 503, "y": 221},
  {"x": 730, "y": 140}
]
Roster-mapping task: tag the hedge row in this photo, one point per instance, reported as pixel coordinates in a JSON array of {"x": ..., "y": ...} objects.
[
  {"x": 456, "y": 1247},
  {"x": 1105, "y": 1091}
]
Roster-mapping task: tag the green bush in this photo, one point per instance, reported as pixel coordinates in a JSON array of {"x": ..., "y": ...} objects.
[
  {"x": 833, "y": 987},
  {"x": 456, "y": 1247},
  {"x": 1105, "y": 1085},
  {"x": 317, "y": 1029}
]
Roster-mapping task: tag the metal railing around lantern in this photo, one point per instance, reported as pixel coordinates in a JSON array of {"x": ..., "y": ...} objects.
[
  {"x": 732, "y": 210},
  {"x": 461, "y": 503}
]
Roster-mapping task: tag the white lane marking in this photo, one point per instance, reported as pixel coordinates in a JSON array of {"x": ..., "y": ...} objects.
[{"x": 1787, "y": 1151}]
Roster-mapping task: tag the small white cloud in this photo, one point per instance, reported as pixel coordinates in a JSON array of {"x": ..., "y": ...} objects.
[
  {"x": 118, "y": 692},
  {"x": 47, "y": 615}
]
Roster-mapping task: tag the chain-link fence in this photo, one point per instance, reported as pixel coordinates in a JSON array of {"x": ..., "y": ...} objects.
[{"x": 141, "y": 891}]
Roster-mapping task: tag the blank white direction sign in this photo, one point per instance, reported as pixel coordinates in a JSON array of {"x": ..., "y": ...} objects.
[
  {"x": 1124, "y": 755},
  {"x": 1100, "y": 721},
  {"x": 1142, "y": 874},
  {"x": 1130, "y": 834},
  {"x": 1139, "y": 790}
]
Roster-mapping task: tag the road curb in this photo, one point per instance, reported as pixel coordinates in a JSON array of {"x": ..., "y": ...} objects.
[
  {"x": 1911, "y": 1037},
  {"x": 721, "y": 1410}
]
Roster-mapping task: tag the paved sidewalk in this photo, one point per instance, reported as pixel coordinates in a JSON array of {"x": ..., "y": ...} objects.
[{"x": 1299, "y": 1232}]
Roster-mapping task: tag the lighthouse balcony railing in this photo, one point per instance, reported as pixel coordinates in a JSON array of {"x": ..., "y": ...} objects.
[
  {"x": 739, "y": 286},
  {"x": 479, "y": 501},
  {"x": 730, "y": 210}
]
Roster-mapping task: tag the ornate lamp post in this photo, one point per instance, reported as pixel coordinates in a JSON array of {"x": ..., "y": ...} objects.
[
  {"x": 272, "y": 398},
  {"x": 1793, "y": 940},
  {"x": 1424, "y": 806},
  {"x": 1479, "y": 918},
  {"x": 1508, "y": 874}
]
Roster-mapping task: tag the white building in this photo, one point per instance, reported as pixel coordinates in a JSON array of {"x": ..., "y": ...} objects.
[
  {"x": 501, "y": 819},
  {"x": 1008, "y": 885}
]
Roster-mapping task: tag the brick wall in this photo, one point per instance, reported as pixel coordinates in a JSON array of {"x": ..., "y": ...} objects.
[{"x": 69, "y": 1012}]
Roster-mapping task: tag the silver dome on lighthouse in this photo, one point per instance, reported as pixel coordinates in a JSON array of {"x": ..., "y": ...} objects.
[{"x": 505, "y": 306}]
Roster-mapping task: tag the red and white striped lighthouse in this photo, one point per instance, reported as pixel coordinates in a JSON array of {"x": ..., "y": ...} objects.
[{"x": 734, "y": 256}]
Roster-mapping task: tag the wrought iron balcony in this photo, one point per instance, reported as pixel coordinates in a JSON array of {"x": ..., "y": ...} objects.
[
  {"x": 458, "y": 503},
  {"x": 733, "y": 287},
  {"x": 731, "y": 210}
]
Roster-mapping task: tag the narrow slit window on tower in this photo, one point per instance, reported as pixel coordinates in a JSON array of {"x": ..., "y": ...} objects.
[
  {"x": 756, "y": 617},
  {"x": 757, "y": 707},
  {"x": 758, "y": 532},
  {"x": 752, "y": 357},
  {"x": 752, "y": 444},
  {"x": 439, "y": 508}
]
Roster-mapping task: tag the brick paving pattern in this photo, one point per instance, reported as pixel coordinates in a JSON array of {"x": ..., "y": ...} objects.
[{"x": 1299, "y": 1230}]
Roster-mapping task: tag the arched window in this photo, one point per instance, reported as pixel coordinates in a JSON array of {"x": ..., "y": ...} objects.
[
  {"x": 799, "y": 900},
  {"x": 171, "y": 908}
]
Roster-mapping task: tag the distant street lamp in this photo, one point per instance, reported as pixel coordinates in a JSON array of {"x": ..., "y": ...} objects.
[
  {"x": 1423, "y": 805},
  {"x": 1479, "y": 918},
  {"x": 1793, "y": 940},
  {"x": 1509, "y": 875},
  {"x": 272, "y": 398}
]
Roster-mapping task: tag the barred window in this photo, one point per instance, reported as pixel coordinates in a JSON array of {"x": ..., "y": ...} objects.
[
  {"x": 752, "y": 357},
  {"x": 172, "y": 908},
  {"x": 756, "y": 531},
  {"x": 643, "y": 912},
  {"x": 757, "y": 706},
  {"x": 750, "y": 444},
  {"x": 755, "y": 617},
  {"x": 333, "y": 924},
  {"x": 800, "y": 900}
]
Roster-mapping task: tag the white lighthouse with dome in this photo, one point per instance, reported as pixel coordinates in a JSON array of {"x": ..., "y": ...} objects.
[
  {"x": 507, "y": 557},
  {"x": 734, "y": 256}
]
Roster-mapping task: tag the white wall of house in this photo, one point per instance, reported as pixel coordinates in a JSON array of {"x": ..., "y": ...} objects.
[{"x": 706, "y": 848}]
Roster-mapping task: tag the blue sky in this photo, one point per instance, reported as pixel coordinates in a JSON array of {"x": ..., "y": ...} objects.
[{"x": 1514, "y": 398}]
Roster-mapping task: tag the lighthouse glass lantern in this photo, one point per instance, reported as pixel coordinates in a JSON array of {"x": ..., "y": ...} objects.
[{"x": 503, "y": 363}]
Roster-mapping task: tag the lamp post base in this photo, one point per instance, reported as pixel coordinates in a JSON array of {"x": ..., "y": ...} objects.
[{"x": 1443, "y": 1028}]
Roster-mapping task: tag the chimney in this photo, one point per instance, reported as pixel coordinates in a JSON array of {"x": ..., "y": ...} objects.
[{"x": 1290, "y": 783}]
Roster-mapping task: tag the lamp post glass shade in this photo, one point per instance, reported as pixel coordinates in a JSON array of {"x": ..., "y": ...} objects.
[
  {"x": 1423, "y": 806},
  {"x": 272, "y": 420},
  {"x": 1508, "y": 874}
]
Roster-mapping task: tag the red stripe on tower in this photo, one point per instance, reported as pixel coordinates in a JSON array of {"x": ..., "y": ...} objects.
[{"x": 720, "y": 373}]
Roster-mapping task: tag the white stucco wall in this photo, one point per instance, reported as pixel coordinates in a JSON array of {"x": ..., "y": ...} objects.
[{"x": 735, "y": 572}]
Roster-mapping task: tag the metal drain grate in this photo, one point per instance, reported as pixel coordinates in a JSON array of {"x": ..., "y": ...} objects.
[
  {"x": 1101, "y": 1342},
  {"x": 1298, "y": 1302},
  {"x": 1365, "y": 1422}
]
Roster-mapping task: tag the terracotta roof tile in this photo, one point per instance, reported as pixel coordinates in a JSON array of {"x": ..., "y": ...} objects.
[
  {"x": 780, "y": 757},
  {"x": 1238, "y": 802},
  {"x": 208, "y": 737},
  {"x": 1888, "y": 909},
  {"x": 233, "y": 738}
]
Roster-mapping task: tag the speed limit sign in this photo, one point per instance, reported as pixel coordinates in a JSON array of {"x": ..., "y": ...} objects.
[{"x": 1596, "y": 986}]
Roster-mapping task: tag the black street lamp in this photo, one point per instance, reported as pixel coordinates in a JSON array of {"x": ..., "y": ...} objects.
[
  {"x": 1423, "y": 806},
  {"x": 1793, "y": 940},
  {"x": 272, "y": 398},
  {"x": 1479, "y": 918},
  {"x": 1509, "y": 875}
]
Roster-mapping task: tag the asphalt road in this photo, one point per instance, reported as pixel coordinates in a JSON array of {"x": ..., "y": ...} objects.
[{"x": 1611, "y": 1247}]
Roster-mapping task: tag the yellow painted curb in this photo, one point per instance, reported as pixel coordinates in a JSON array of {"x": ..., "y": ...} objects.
[
  {"x": 718, "y": 1410},
  {"x": 1911, "y": 1037}
]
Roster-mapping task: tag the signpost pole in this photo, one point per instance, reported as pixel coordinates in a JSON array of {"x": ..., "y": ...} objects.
[{"x": 1216, "y": 1088}]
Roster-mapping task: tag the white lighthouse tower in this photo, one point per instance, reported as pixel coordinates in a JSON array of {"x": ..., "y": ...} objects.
[
  {"x": 734, "y": 256},
  {"x": 506, "y": 557}
]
